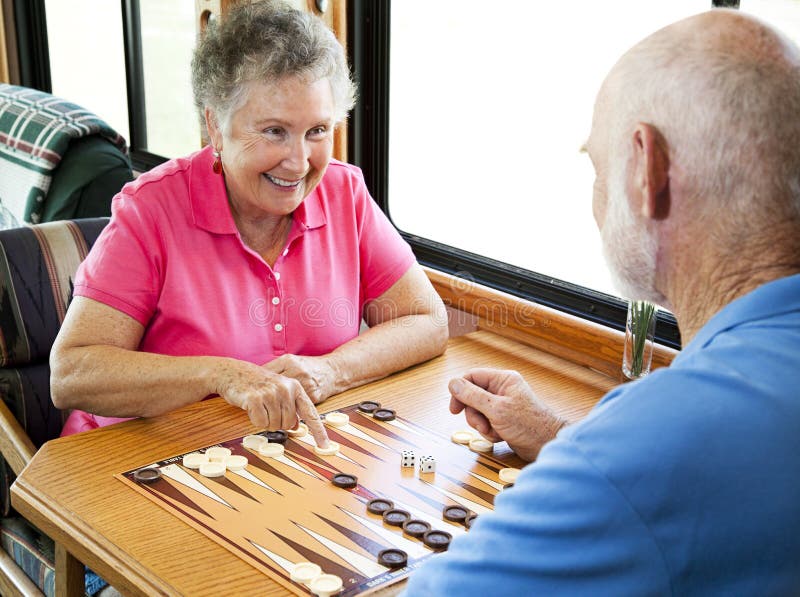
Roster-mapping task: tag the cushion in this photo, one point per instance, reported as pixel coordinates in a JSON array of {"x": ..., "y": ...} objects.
[
  {"x": 37, "y": 267},
  {"x": 37, "y": 131},
  {"x": 34, "y": 553},
  {"x": 31, "y": 550}
]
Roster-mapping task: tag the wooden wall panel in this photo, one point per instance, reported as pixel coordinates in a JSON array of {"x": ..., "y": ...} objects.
[{"x": 575, "y": 339}]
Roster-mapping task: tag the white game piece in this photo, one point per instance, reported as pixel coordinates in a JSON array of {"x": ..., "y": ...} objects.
[
  {"x": 462, "y": 436},
  {"x": 331, "y": 450},
  {"x": 302, "y": 429},
  {"x": 325, "y": 585},
  {"x": 305, "y": 572},
  {"x": 337, "y": 419},
  {"x": 271, "y": 450},
  {"x": 427, "y": 464},
  {"x": 481, "y": 445},
  {"x": 194, "y": 460},
  {"x": 236, "y": 462},
  {"x": 217, "y": 453},
  {"x": 509, "y": 475},
  {"x": 253, "y": 441},
  {"x": 212, "y": 469},
  {"x": 407, "y": 459}
]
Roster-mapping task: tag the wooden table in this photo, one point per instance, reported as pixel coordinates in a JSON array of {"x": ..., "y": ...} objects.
[{"x": 69, "y": 490}]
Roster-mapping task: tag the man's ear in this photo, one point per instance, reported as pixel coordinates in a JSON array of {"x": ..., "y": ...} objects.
[
  {"x": 213, "y": 128},
  {"x": 650, "y": 172}
]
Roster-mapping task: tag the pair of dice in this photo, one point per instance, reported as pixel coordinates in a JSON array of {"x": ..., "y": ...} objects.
[{"x": 427, "y": 464}]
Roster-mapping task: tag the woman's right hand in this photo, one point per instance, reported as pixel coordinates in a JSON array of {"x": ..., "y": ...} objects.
[{"x": 272, "y": 401}]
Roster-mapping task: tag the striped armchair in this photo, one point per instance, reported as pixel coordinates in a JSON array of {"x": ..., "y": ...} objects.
[{"x": 37, "y": 266}]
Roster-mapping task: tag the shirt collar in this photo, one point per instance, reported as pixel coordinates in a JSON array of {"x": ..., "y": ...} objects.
[
  {"x": 209, "y": 200},
  {"x": 768, "y": 300}
]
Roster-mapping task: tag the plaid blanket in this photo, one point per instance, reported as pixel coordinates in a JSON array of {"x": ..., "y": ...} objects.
[{"x": 35, "y": 130}]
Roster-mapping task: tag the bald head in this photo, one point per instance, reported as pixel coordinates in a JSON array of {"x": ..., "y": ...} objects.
[{"x": 723, "y": 90}]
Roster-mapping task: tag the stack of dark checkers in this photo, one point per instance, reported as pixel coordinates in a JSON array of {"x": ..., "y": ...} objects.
[
  {"x": 396, "y": 517},
  {"x": 384, "y": 414},
  {"x": 276, "y": 437},
  {"x": 147, "y": 475},
  {"x": 455, "y": 513},
  {"x": 379, "y": 506},
  {"x": 437, "y": 540},
  {"x": 393, "y": 558},
  {"x": 345, "y": 481},
  {"x": 369, "y": 407},
  {"x": 416, "y": 528}
]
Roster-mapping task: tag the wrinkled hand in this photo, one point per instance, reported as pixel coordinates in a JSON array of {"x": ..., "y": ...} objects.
[
  {"x": 501, "y": 406},
  {"x": 316, "y": 374},
  {"x": 272, "y": 401}
]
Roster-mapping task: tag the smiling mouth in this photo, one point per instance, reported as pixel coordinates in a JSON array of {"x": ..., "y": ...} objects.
[{"x": 286, "y": 184}]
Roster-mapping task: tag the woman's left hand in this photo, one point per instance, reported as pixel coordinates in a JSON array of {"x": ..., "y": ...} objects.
[{"x": 317, "y": 375}]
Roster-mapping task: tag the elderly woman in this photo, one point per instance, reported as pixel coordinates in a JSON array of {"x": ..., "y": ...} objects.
[{"x": 245, "y": 269}]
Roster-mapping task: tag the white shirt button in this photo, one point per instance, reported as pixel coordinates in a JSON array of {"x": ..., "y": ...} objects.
[
  {"x": 275, "y": 300},
  {"x": 277, "y": 275},
  {"x": 278, "y": 327}
]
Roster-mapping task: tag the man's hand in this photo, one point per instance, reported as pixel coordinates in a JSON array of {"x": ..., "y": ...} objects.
[
  {"x": 502, "y": 407},
  {"x": 316, "y": 374}
]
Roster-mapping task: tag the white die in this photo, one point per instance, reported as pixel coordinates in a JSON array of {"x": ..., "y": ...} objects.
[
  {"x": 407, "y": 459},
  {"x": 427, "y": 464}
]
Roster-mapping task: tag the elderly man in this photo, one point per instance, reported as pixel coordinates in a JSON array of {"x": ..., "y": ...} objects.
[{"x": 687, "y": 482}]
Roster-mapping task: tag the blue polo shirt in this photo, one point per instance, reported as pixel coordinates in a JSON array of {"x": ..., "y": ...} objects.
[{"x": 684, "y": 483}]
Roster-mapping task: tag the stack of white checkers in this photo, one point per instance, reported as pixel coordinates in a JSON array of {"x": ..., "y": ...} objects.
[
  {"x": 471, "y": 439},
  {"x": 264, "y": 447},
  {"x": 311, "y": 575},
  {"x": 214, "y": 462}
]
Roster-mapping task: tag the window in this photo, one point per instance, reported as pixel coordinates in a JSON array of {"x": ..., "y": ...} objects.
[
  {"x": 87, "y": 58},
  {"x": 167, "y": 30},
  {"x": 489, "y": 106},
  {"x": 88, "y": 66}
]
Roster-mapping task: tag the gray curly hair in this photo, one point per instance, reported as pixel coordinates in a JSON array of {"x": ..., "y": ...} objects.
[{"x": 265, "y": 42}]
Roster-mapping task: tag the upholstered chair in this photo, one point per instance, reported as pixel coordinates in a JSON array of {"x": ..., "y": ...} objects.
[{"x": 37, "y": 268}]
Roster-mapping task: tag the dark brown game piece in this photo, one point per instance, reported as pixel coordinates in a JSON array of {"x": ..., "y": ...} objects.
[
  {"x": 276, "y": 437},
  {"x": 384, "y": 414},
  {"x": 344, "y": 480},
  {"x": 396, "y": 517},
  {"x": 369, "y": 406},
  {"x": 416, "y": 528},
  {"x": 437, "y": 540},
  {"x": 469, "y": 519},
  {"x": 147, "y": 475},
  {"x": 393, "y": 558},
  {"x": 379, "y": 506},
  {"x": 455, "y": 513}
]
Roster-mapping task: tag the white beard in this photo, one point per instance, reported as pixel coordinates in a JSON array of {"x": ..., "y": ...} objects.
[{"x": 629, "y": 249}]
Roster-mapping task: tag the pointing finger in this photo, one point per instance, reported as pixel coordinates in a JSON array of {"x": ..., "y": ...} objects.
[{"x": 309, "y": 414}]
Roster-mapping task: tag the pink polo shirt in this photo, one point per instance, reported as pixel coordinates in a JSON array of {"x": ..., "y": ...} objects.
[{"x": 172, "y": 258}]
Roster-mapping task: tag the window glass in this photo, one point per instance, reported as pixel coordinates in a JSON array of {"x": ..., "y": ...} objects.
[
  {"x": 168, "y": 38},
  {"x": 490, "y": 104},
  {"x": 87, "y": 57}
]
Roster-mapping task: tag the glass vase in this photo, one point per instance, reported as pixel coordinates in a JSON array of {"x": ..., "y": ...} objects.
[{"x": 640, "y": 329}]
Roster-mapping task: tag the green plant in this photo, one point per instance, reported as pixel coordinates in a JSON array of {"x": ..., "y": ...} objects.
[{"x": 642, "y": 314}]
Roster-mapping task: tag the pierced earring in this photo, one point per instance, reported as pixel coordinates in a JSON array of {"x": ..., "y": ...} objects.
[{"x": 217, "y": 165}]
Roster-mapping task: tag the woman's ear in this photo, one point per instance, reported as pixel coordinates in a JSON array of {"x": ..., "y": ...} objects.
[
  {"x": 650, "y": 172},
  {"x": 213, "y": 128}
]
